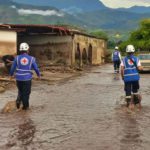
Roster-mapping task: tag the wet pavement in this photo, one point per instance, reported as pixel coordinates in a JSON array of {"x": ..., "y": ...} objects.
[{"x": 84, "y": 113}]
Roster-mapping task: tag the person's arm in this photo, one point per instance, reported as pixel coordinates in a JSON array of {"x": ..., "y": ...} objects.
[
  {"x": 122, "y": 72},
  {"x": 13, "y": 67},
  {"x": 120, "y": 56},
  {"x": 140, "y": 68},
  {"x": 122, "y": 69},
  {"x": 112, "y": 56},
  {"x": 35, "y": 67}
]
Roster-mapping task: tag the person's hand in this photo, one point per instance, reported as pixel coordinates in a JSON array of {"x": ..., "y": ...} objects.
[
  {"x": 140, "y": 68},
  {"x": 39, "y": 78},
  {"x": 11, "y": 78}
]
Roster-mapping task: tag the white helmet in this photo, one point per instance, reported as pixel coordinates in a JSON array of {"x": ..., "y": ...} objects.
[
  {"x": 116, "y": 47},
  {"x": 130, "y": 49},
  {"x": 24, "y": 47}
]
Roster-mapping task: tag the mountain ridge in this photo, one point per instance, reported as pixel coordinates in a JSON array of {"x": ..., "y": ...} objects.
[
  {"x": 66, "y": 4},
  {"x": 104, "y": 18},
  {"x": 79, "y": 5}
]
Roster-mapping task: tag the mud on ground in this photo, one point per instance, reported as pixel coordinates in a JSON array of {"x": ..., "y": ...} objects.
[{"x": 49, "y": 74}]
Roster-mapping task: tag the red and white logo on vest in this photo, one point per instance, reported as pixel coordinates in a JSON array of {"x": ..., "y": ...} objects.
[
  {"x": 130, "y": 62},
  {"x": 24, "y": 61}
]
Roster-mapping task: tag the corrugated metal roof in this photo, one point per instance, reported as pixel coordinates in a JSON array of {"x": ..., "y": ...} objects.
[
  {"x": 33, "y": 28},
  {"x": 44, "y": 29},
  {"x": 8, "y": 27}
]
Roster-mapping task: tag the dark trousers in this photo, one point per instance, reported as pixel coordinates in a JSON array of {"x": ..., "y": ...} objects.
[
  {"x": 24, "y": 90},
  {"x": 116, "y": 65},
  {"x": 131, "y": 87}
]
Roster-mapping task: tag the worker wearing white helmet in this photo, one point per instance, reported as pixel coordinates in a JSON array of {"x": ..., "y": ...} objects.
[
  {"x": 116, "y": 59},
  {"x": 130, "y": 67},
  {"x": 22, "y": 66},
  {"x": 24, "y": 47}
]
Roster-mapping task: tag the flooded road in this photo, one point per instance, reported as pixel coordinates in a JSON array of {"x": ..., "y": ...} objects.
[{"x": 84, "y": 113}]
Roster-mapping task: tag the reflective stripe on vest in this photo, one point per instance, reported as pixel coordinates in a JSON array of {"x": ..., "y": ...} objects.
[{"x": 24, "y": 70}]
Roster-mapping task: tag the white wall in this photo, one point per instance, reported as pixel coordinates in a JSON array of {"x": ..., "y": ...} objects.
[{"x": 8, "y": 42}]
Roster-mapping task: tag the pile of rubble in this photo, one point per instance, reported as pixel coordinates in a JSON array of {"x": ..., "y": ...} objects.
[
  {"x": 57, "y": 68},
  {"x": 5, "y": 83}
]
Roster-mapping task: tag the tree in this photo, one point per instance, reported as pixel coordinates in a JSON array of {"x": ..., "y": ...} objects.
[
  {"x": 139, "y": 38},
  {"x": 99, "y": 34}
]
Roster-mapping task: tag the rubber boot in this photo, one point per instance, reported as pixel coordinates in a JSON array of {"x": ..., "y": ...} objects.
[
  {"x": 18, "y": 102},
  {"x": 128, "y": 101},
  {"x": 136, "y": 99}
]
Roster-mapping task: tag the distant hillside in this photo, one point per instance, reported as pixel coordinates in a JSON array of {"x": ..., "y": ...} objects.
[
  {"x": 82, "y": 5},
  {"x": 103, "y": 18},
  {"x": 28, "y": 14},
  {"x": 136, "y": 9},
  {"x": 113, "y": 19}
]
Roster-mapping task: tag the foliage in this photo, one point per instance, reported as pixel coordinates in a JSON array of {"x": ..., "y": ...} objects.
[
  {"x": 71, "y": 26},
  {"x": 111, "y": 44},
  {"x": 99, "y": 34},
  {"x": 108, "y": 54},
  {"x": 139, "y": 38}
]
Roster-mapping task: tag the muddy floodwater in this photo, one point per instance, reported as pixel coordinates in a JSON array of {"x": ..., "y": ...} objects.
[{"x": 84, "y": 113}]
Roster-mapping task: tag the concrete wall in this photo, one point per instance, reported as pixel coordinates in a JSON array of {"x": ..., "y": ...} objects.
[
  {"x": 68, "y": 50},
  {"x": 89, "y": 48},
  {"x": 78, "y": 50},
  {"x": 50, "y": 49},
  {"x": 8, "y": 41}
]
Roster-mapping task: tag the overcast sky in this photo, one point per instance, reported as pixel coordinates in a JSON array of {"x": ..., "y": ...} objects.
[{"x": 125, "y": 3}]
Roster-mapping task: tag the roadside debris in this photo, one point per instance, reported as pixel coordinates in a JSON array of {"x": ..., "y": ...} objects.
[
  {"x": 2, "y": 89},
  {"x": 10, "y": 106}
]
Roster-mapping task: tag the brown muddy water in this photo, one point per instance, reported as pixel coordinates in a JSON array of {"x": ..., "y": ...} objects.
[{"x": 84, "y": 113}]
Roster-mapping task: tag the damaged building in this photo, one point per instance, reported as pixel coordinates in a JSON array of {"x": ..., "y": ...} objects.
[{"x": 53, "y": 44}]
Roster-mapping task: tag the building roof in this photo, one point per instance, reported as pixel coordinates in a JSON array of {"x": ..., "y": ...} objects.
[
  {"x": 31, "y": 29},
  {"x": 36, "y": 29}
]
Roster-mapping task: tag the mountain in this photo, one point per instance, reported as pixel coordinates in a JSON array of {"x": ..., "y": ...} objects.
[
  {"x": 17, "y": 13},
  {"x": 136, "y": 9},
  {"x": 118, "y": 20},
  {"x": 93, "y": 15},
  {"x": 77, "y": 5},
  {"x": 81, "y": 5},
  {"x": 6, "y": 2}
]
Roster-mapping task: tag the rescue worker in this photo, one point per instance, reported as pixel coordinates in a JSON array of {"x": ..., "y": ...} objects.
[
  {"x": 116, "y": 58},
  {"x": 130, "y": 67},
  {"x": 22, "y": 66}
]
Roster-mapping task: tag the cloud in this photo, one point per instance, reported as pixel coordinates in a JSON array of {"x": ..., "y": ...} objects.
[
  {"x": 125, "y": 3},
  {"x": 40, "y": 12},
  {"x": 13, "y": 6}
]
